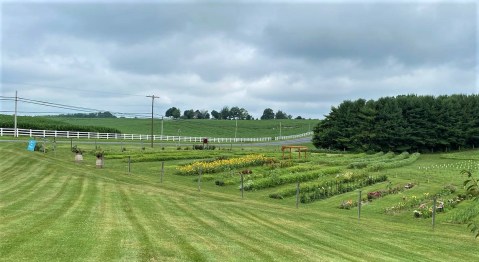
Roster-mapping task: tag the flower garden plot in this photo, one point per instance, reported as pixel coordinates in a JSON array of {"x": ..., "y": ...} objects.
[
  {"x": 330, "y": 189},
  {"x": 164, "y": 155},
  {"x": 421, "y": 206},
  {"x": 361, "y": 163},
  {"x": 317, "y": 190},
  {"x": 275, "y": 170},
  {"x": 275, "y": 180},
  {"x": 223, "y": 164},
  {"x": 345, "y": 159},
  {"x": 394, "y": 164},
  {"x": 373, "y": 195}
]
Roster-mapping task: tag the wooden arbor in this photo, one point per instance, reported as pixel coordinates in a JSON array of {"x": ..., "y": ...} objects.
[{"x": 299, "y": 148}]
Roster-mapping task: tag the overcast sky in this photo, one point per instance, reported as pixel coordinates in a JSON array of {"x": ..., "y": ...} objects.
[{"x": 301, "y": 58}]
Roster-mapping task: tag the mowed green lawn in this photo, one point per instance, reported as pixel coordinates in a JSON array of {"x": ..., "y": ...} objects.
[{"x": 52, "y": 209}]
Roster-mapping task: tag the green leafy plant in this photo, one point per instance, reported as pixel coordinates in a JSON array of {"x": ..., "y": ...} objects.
[{"x": 472, "y": 189}]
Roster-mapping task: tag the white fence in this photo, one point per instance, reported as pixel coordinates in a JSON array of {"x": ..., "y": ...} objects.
[{"x": 92, "y": 135}]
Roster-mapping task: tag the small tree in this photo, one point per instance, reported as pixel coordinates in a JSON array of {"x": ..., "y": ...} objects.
[
  {"x": 268, "y": 113},
  {"x": 281, "y": 115},
  {"x": 225, "y": 113},
  {"x": 173, "y": 112},
  {"x": 189, "y": 114},
  {"x": 215, "y": 114}
]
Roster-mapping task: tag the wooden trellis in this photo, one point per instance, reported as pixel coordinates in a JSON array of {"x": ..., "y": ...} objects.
[{"x": 299, "y": 148}]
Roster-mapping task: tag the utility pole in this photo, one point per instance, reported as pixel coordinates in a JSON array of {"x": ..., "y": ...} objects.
[
  {"x": 236, "y": 128},
  {"x": 152, "y": 103},
  {"x": 15, "y": 116},
  {"x": 280, "y": 130},
  {"x": 161, "y": 127}
]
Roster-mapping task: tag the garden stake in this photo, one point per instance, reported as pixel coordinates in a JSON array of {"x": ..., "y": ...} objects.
[
  {"x": 162, "y": 171},
  {"x": 199, "y": 181},
  {"x": 359, "y": 207},
  {"x": 433, "y": 213},
  {"x": 297, "y": 194},
  {"x": 129, "y": 164},
  {"x": 242, "y": 188}
]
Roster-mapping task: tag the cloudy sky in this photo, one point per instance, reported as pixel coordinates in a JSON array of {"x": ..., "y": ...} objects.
[{"x": 301, "y": 58}]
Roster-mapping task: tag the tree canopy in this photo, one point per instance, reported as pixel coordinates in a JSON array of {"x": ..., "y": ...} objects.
[
  {"x": 173, "y": 112},
  {"x": 408, "y": 122},
  {"x": 268, "y": 113}
]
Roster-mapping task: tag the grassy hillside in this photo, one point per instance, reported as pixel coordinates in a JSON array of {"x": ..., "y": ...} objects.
[
  {"x": 54, "y": 209},
  {"x": 198, "y": 127}
]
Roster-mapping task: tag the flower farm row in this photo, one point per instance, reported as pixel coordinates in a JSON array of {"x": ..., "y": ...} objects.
[{"x": 319, "y": 179}]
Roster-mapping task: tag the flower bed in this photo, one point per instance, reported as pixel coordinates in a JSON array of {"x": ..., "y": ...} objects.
[{"x": 223, "y": 164}]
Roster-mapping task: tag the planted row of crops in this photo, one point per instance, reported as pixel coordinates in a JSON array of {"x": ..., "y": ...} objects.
[
  {"x": 394, "y": 164},
  {"x": 39, "y": 123},
  {"x": 316, "y": 190},
  {"x": 345, "y": 159},
  {"x": 326, "y": 190},
  {"x": 274, "y": 181},
  {"x": 164, "y": 156},
  {"x": 389, "y": 160},
  {"x": 219, "y": 165},
  {"x": 285, "y": 165},
  {"x": 316, "y": 181}
]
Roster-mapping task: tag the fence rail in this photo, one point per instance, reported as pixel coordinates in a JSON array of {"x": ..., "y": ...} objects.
[{"x": 93, "y": 135}]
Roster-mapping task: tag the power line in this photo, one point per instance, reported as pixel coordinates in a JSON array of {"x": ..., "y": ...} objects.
[
  {"x": 69, "y": 107},
  {"x": 71, "y": 88}
]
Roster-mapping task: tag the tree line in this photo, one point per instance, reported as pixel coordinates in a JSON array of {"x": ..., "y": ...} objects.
[
  {"x": 402, "y": 123},
  {"x": 225, "y": 113},
  {"x": 105, "y": 114}
]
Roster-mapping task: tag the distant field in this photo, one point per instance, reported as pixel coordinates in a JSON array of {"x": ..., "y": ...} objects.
[
  {"x": 43, "y": 123},
  {"x": 54, "y": 209},
  {"x": 200, "y": 127}
]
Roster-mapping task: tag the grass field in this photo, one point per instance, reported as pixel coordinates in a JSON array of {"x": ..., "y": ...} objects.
[
  {"x": 201, "y": 128},
  {"x": 54, "y": 209}
]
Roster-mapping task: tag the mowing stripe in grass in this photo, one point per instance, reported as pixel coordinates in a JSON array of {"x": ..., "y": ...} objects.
[
  {"x": 18, "y": 202},
  {"x": 20, "y": 175},
  {"x": 157, "y": 217},
  {"x": 78, "y": 220},
  {"x": 43, "y": 204},
  {"x": 208, "y": 226},
  {"x": 147, "y": 250},
  {"x": 9, "y": 164},
  {"x": 290, "y": 239},
  {"x": 227, "y": 216},
  {"x": 41, "y": 221}
]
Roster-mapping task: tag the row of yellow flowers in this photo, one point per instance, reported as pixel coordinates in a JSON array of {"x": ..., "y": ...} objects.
[{"x": 223, "y": 164}]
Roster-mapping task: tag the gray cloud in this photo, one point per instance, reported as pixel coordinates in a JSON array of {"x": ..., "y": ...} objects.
[{"x": 300, "y": 58}]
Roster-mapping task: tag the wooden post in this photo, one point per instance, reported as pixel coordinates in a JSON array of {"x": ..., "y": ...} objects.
[
  {"x": 242, "y": 187},
  {"x": 43, "y": 145},
  {"x": 297, "y": 194},
  {"x": 162, "y": 171},
  {"x": 129, "y": 164},
  {"x": 359, "y": 206},
  {"x": 199, "y": 181},
  {"x": 433, "y": 213}
]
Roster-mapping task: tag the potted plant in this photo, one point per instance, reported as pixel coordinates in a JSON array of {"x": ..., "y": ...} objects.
[
  {"x": 99, "y": 159},
  {"x": 78, "y": 154}
]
